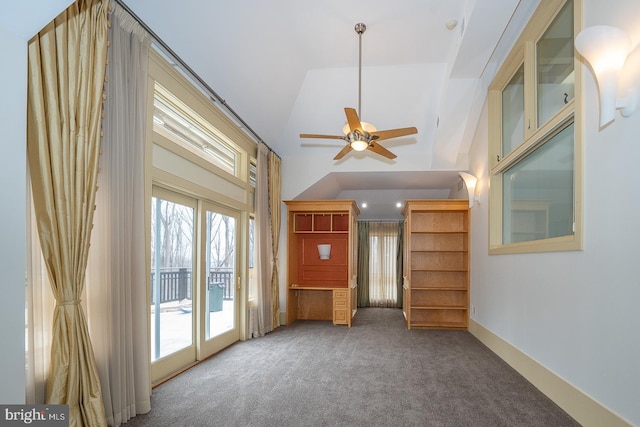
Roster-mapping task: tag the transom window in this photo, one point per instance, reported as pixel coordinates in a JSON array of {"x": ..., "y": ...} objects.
[{"x": 177, "y": 122}]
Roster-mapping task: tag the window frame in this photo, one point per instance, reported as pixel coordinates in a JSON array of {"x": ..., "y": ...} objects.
[
  {"x": 523, "y": 54},
  {"x": 228, "y": 192}
]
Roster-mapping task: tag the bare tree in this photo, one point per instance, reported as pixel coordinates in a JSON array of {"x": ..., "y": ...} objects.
[
  {"x": 221, "y": 240},
  {"x": 176, "y": 234}
]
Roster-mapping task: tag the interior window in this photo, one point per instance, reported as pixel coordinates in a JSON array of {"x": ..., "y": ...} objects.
[
  {"x": 513, "y": 112},
  {"x": 554, "y": 65},
  {"x": 535, "y": 160},
  {"x": 538, "y": 192}
]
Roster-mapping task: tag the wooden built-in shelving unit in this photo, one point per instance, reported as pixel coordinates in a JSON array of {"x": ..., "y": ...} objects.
[{"x": 436, "y": 264}]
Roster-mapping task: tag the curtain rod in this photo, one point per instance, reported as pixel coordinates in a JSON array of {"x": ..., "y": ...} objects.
[{"x": 215, "y": 97}]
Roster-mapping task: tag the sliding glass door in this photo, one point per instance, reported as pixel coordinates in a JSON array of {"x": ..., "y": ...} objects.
[
  {"x": 220, "y": 287},
  {"x": 173, "y": 235},
  {"x": 194, "y": 281}
]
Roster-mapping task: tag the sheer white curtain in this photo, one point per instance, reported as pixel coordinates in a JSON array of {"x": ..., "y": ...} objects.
[
  {"x": 40, "y": 307},
  {"x": 262, "y": 301},
  {"x": 383, "y": 237},
  {"x": 116, "y": 275}
]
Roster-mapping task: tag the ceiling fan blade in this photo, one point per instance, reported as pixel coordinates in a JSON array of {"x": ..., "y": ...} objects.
[
  {"x": 313, "y": 135},
  {"x": 353, "y": 120},
  {"x": 343, "y": 152},
  {"x": 393, "y": 133},
  {"x": 379, "y": 149},
  {"x": 321, "y": 144}
]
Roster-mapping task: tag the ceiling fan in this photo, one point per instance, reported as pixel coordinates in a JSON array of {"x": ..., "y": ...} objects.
[{"x": 360, "y": 135}]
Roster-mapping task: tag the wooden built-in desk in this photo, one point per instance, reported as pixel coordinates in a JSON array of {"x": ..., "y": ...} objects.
[
  {"x": 320, "y": 303},
  {"x": 321, "y": 288}
]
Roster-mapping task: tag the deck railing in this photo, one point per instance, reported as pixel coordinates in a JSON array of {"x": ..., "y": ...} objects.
[{"x": 175, "y": 284}]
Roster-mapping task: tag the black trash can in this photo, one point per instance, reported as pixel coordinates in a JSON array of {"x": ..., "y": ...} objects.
[{"x": 216, "y": 293}]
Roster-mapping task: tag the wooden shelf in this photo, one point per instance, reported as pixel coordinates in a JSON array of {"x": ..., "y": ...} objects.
[
  {"x": 440, "y": 325},
  {"x": 316, "y": 288},
  {"x": 436, "y": 233},
  {"x": 453, "y": 251},
  {"x": 321, "y": 222}
]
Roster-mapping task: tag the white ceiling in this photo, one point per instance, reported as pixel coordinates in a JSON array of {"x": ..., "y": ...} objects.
[
  {"x": 288, "y": 67},
  {"x": 382, "y": 195}
]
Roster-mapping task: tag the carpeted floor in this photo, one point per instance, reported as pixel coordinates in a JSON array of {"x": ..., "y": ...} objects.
[{"x": 377, "y": 373}]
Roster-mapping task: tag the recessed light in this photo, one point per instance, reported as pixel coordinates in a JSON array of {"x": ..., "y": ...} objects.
[
  {"x": 398, "y": 205},
  {"x": 364, "y": 204},
  {"x": 451, "y": 24}
]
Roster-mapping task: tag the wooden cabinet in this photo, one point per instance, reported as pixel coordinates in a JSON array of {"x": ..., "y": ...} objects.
[
  {"x": 436, "y": 264},
  {"x": 341, "y": 311},
  {"x": 321, "y": 288}
]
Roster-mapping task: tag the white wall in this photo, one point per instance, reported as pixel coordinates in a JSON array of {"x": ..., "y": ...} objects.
[
  {"x": 576, "y": 312},
  {"x": 17, "y": 24},
  {"x": 12, "y": 224}
]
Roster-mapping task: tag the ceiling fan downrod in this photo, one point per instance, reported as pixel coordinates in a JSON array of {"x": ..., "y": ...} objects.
[{"x": 360, "y": 29}]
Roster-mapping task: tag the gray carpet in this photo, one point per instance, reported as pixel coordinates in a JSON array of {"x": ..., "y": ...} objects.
[{"x": 377, "y": 373}]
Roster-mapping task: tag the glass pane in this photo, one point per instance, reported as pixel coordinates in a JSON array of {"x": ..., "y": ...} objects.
[
  {"x": 221, "y": 278},
  {"x": 538, "y": 192},
  {"x": 513, "y": 112},
  {"x": 177, "y": 122},
  {"x": 253, "y": 173},
  {"x": 171, "y": 277},
  {"x": 554, "y": 59},
  {"x": 253, "y": 283}
]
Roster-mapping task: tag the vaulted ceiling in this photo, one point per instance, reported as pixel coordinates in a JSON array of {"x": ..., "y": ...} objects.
[{"x": 288, "y": 67}]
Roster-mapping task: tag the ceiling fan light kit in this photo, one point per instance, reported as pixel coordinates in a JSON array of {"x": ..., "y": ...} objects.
[
  {"x": 358, "y": 141},
  {"x": 366, "y": 126},
  {"x": 360, "y": 135}
]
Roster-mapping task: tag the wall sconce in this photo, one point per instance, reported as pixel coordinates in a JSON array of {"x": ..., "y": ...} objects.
[
  {"x": 607, "y": 51},
  {"x": 324, "y": 251},
  {"x": 470, "y": 182}
]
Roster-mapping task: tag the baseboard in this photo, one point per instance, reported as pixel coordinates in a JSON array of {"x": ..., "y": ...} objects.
[{"x": 581, "y": 407}]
